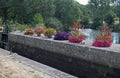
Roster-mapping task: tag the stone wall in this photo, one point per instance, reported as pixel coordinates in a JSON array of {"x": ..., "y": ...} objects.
[{"x": 84, "y": 61}]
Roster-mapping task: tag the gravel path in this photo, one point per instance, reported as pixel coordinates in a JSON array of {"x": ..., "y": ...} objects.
[{"x": 12, "y": 68}]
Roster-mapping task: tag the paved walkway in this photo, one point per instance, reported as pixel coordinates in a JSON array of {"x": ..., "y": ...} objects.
[
  {"x": 12, "y": 68},
  {"x": 16, "y": 66}
]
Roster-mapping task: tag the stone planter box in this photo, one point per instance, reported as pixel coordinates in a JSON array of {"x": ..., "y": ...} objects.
[{"x": 83, "y": 61}]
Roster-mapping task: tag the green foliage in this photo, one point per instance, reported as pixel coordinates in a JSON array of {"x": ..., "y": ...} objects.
[
  {"x": 67, "y": 11},
  {"x": 21, "y": 27},
  {"x": 38, "y": 19},
  {"x": 99, "y": 8},
  {"x": 117, "y": 9},
  {"x": 54, "y": 23},
  {"x": 109, "y": 19},
  {"x": 85, "y": 22},
  {"x": 97, "y": 23},
  {"x": 59, "y": 14},
  {"x": 115, "y": 28}
]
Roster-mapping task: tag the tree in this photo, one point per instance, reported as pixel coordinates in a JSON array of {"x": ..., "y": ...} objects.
[
  {"x": 99, "y": 8},
  {"x": 54, "y": 23},
  {"x": 85, "y": 22},
  {"x": 117, "y": 4},
  {"x": 109, "y": 19},
  {"x": 47, "y": 8},
  {"x": 97, "y": 23},
  {"x": 5, "y": 6},
  {"x": 67, "y": 11}
]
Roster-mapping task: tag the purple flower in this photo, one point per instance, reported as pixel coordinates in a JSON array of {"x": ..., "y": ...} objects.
[{"x": 61, "y": 36}]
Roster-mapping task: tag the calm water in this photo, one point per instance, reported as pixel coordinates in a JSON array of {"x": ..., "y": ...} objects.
[{"x": 91, "y": 34}]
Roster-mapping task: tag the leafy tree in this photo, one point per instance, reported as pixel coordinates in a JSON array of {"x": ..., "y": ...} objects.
[
  {"x": 67, "y": 11},
  {"x": 54, "y": 23},
  {"x": 97, "y": 23},
  {"x": 6, "y": 5},
  {"x": 85, "y": 22},
  {"x": 117, "y": 4},
  {"x": 47, "y": 8},
  {"x": 109, "y": 19},
  {"x": 99, "y": 8}
]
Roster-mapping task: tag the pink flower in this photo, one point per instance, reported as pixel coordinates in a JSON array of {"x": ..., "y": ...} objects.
[{"x": 74, "y": 39}]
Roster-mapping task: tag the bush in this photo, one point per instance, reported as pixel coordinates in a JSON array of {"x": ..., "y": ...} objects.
[
  {"x": 85, "y": 22},
  {"x": 115, "y": 28},
  {"x": 54, "y": 23},
  {"x": 21, "y": 27},
  {"x": 109, "y": 19},
  {"x": 97, "y": 23},
  {"x": 38, "y": 19}
]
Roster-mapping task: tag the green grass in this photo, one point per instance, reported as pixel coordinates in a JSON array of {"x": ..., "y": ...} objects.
[{"x": 21, "y": 27}]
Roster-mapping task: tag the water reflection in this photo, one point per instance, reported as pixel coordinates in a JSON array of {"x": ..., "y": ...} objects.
[{"x": 91, "y": 34}]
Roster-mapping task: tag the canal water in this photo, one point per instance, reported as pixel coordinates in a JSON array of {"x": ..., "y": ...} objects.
[{"x": 91, "y": 35}]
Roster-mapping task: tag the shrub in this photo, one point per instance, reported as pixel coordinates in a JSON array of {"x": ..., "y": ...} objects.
[
  {"x": 38, "y": 19},
  {"x": 115, "y": 28},
  {"x": 54, "y": 23},
  {"x": 85, "y": 22},
  {"x": 97, "y": 22},
  {"x": 109, "y": 19},
  {"x": 22, "y": 27}
]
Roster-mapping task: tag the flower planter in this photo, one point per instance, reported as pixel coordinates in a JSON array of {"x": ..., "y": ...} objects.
[
  {"x": 49, "y": 36},
  {"x": 61, "y": 36},
  {"x": 75, "y": 39},
  {"x": 102, "y": 44},
  {"x": 28, "y": 31},
  {"x": 38, "y": 35},
  {"x": 104, "y": 39},
  {"x": 38, "y": 31}
]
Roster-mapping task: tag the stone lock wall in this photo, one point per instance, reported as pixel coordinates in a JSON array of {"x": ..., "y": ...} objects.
[{"x": 83, "y": 61}]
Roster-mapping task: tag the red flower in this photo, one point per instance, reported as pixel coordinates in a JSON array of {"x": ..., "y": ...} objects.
[{"x": 75, "y": 25}]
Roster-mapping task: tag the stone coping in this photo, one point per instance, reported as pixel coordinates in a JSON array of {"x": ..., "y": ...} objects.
[
  {"x": 53, "y": 73},
  {"x": 109, "y": 56}
]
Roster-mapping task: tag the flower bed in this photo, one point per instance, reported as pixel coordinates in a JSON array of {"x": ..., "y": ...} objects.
[
  {"x": 61, "y": 36},
  {"x": 104, "y": 39},
  {"x": 75, "y": 35}
]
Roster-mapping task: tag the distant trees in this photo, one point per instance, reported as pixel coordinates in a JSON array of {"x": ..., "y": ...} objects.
[
  {"x": 106, "y": 10},
  {"x": 8, "y": 8},
  {"x": 60, "y": 13},
  {"x": 67, "y": 11},
  {"x": 117, "y": 4},
  {"x": 109, "y": 19}
]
